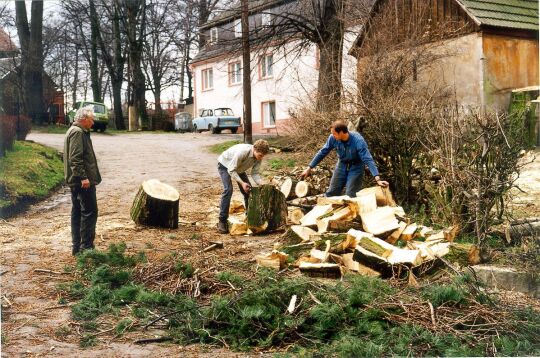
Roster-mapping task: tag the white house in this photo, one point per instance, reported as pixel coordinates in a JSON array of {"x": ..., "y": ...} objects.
[{"x": 282, "y": 78}]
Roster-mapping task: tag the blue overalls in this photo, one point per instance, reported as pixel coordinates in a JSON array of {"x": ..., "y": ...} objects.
[{"x": 353, "y": 156}]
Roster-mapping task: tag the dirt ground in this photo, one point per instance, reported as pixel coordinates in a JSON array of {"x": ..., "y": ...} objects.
[{"x": 40, "y": 239}]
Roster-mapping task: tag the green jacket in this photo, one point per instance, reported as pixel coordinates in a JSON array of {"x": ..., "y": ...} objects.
[{"x": 79, "y": 158}]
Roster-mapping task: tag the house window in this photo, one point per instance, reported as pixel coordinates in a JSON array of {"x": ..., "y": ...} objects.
[
  {"x": 266, "y": 19},
  {"x": 235, "y": 73},
  {"x": 266, "y": 65},
  {"x": 213, "y": 35},
  {"x": 207, "y": 79},
  {"x": 238, "y": 28},
  {"x": 269, "y": 113}
]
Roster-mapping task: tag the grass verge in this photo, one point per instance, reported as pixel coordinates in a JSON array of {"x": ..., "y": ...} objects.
[
  {"x": 221, "y": 147},
  {"x": 357, "y": 317},
  {"x": 28, "y": 173}
]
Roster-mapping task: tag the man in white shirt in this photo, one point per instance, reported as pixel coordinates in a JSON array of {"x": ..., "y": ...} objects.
[{"x": 233, "y": 164}]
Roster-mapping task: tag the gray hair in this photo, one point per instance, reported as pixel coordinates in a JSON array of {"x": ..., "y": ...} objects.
[{"x": 86, "y": 111}]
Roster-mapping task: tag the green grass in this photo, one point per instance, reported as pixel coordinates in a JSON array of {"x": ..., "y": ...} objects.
[
  {"x": 221, "y": 147},
  {"x": 344, "y": 322},
  {"x": 281, "y": 163},
  {"x": 28, "y": 173}
]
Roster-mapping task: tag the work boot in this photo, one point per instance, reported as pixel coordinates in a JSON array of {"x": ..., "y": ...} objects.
[{"x": 222, "y": 227}]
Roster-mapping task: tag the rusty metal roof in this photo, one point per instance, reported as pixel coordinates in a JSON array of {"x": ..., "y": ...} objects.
[{"x": 512, "y": 14}]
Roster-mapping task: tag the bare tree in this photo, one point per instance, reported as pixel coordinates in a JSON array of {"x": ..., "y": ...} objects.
[
  {"x": 110, "y": 42},
  {"x": 160, "y": 60},
  {"x": 133, "y": 15},
  {"x": 31, "y": 42}
]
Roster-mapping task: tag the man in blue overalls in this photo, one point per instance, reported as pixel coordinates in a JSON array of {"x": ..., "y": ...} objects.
[{"x": 353, "y": 155}]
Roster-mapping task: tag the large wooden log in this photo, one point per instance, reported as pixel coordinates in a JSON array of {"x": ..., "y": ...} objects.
[
  {"x": 287, "y": 188},
  {"x": 156, "y": 204},
  {"x": 303, "y": 189},
  {"x": 267, "y": 209}
]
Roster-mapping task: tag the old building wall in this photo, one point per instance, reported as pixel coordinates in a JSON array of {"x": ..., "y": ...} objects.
[
  {"x": 456, "y": 69},
  {"x": 509, "y": 63}
]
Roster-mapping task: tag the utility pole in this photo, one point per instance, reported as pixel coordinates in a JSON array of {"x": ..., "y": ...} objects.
[{"x": 246, "y": 71}]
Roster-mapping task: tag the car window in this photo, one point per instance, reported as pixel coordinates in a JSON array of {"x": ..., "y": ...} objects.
[
  {"x": 224, "y": 112},
  {"x": 210, "y": 112},
  {"x": 203, "y": 114},
  {"x": 99, "y": 108}
]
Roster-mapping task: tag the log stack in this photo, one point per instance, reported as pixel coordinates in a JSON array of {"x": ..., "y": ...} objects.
[{"x": 360, "y": 235}]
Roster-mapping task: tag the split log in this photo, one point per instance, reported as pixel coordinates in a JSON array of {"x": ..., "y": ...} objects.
[
  {"x": 383, "y": 195},
  {"x": 275, "y": 260},
  {"x": 301, "y": 233},
  {"x": 343, "y": 226},
  {"x": 321, "y": 255},
  {"x": 156, "y": 204},
  {"x": 338, "y": 241},
  {"x": 236, "y": 207},
  {"x": 320, "y": 270},
  {"x": 295, "y": 215},
  {"x": 386, "y": 266},
  {"x": 366, "y": 203},
  {"x": 409, "y": 233},
  {"x": 303, "y": 189},
  {"x": 430, "y": 250},
  {"x": 237, "y": 226},
  {"x": 375, "y": 245},
  {"x": 310, "y": 219},
  {"x": 340, "y": 214},
  {"x": 355, "y": 266},
  {"x": 267, "y": 209},
  {"x": 288, "y": 187},
  {"x": 308, "y": 201},
  {"x": 394, "y": 237},
  {"x": 379, "y": 221},
  {"x": 334, "y": 200}
]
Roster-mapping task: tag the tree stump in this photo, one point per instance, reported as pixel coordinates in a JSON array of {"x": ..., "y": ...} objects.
[
  {"x": 267, "y": 209},
  {"x": 156, "y": 204}
]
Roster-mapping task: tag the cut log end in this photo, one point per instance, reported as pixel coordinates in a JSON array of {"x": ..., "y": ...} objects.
[
  {"x": 303, "y": 189},
  {"x": 156, "y": 204}
]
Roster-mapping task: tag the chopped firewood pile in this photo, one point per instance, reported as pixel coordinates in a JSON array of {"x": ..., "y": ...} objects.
[
  {"x": 368, "y": 235},
  {"x": 316, "y": 183}
]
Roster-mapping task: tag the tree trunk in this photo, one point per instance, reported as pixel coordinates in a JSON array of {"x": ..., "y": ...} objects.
[
  {"x": 330, "y": 49},
  {"x": 31, "y": 40},
  {"x": 75, "y": 78},
  {"x": 94, "y": 71},
  {"x": 117, "y": 103},
  {"x": 246, "y": 68},
  {"x": 267, "y": 209},
  {"x": 156, "y": 204}
]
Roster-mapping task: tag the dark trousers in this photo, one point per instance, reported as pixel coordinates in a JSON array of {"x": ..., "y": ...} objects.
[
  {"x": 348, "y": 176},
  {"x": 228, "y": 190},
  {"x": 84, "y": 212}
]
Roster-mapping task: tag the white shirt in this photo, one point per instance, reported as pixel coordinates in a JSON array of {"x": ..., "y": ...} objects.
[{"x": 238, "y": 159}]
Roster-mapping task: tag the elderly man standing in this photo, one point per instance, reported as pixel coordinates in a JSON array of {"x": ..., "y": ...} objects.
[
  {"x": 354, "y": 156},
  {"x": 82, "y": 175},
  {"x": 233, "y": 164}
]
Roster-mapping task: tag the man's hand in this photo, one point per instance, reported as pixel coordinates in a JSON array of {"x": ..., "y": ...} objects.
[
  {"x": 246, "y": 187},
  {"x": 306, "y": 173},
  {"x": 380, "y": 182},
  {"x": 85, "y": 183}
]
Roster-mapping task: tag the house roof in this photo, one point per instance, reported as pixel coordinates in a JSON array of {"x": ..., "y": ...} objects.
[
  {"x": 512, "y": 14},
  {"x": 506, "y": 14},
  {"x": 234, "y": 11}
]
